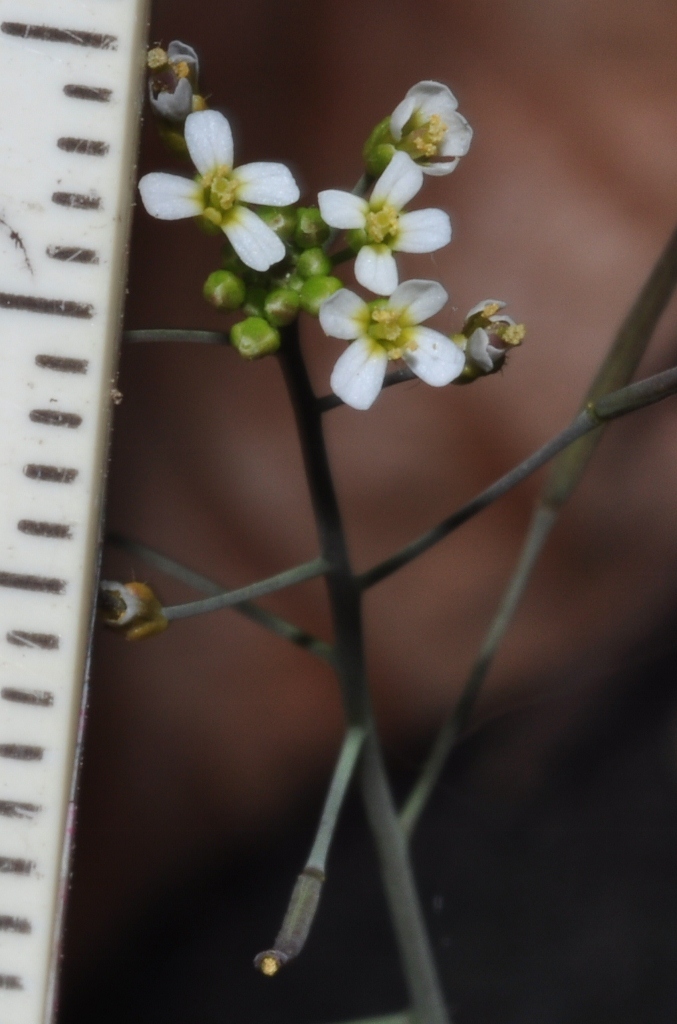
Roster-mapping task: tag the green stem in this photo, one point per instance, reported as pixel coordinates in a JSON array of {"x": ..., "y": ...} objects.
[
  {"x": 343, "y": 773},
  {"x": 342, "y": 256},
  {"x": 228, "y": 598},
  {"x": 307, "y": 891},
  {"x": 344, "y": 596},
  {"x": 170, "y": 567}
]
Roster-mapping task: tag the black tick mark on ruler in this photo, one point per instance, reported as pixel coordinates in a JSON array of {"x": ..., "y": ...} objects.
[
  {"x": 54, "y": 418},
  {"x": 88, "y": 92},
  {"x": 18, "y": 809},
  {"x": 10, "y": 981},
  {"x": 15, "y": 866},
  {"x": 52, "y": 474},
  {"x": 21, "y": 638},
  {"x": 59, "y": 35},
  {"x": 41, "y": 584},
  {"x": 88, "y": 147},
  {"x": 39, "y": 698},
  {"x": 15, "y": 924},
  {"x": 51, "y": 307},
  {"x": 77, "y": 200},
  {"x": 34, "y": 528},
  {"x": 71, "y": 254},
  {"x": 20, "y": 752},
  {"x": 62, "y": 364}
]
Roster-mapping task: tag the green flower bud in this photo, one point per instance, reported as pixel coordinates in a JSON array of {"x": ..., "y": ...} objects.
[
  {"x": 311, "y": 230},
  {"x": 379, "y": 149},
  {"x": 313, "y": 262},
  {"x": 172, "y": 136},
  {"x": 317, "y": 290},
  {"x": 281, "y": 306},
  {"x": 224, "y": 290},
  {"x": 356, "y": 238},
  {"x": 295, "y": 282},
  {"x": 254, "y": 302},
  {"x": 254, "y": 338},
  {"x": 280, "y": 219}
]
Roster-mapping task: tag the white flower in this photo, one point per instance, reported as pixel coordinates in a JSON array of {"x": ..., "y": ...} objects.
[
  {"x": 385, "y": 227},
  {"x": 490, "y": 334},
  {"x": 427, "y": 125},
  {"x": 219, "y": 191},
  {"x": 172, "y": 81},
  {"x": 388, "y": 329}
]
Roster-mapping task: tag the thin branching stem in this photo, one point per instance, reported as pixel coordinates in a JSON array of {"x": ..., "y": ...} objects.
[
  {"x": 170, "y": 567},
  {"x": 327, "y": 402},
  {"x": 344, "y": 596},
  {"x": 605, "y": 400},
  {"x": 343, "y": 773},
  {"x": 228, "y": 598}
]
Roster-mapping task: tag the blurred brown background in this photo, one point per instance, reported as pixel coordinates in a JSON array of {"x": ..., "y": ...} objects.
[{"x": 204, "y": 738}]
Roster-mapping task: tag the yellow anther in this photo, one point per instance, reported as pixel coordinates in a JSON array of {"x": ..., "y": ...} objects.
[
  {"x": 381, "y": 223},
  {"x": 436, "y": 129},
  {"x": 157, "y": 59},
  {"x": 269, "y": 966},
  {"x": 181, "y": 69},
  {"x": 514, "y": 334},
  {"x": 212, "y": 215},
  {"x": 386, "y": 327},
  {"x": 491, "y": 308}
]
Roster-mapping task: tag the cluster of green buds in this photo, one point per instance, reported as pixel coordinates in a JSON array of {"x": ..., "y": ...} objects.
[
  {"x": 486, "y": 338},
  {"x": 173, "y": 90},
  {"x": 303, "y": 280}
]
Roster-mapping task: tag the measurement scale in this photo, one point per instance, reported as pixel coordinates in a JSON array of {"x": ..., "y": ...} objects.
[{"x": 70, "y": 83}]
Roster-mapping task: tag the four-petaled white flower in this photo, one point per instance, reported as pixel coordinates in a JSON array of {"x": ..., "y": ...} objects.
[
  {"x": 385, "y": 228},
  {"x": 490, "y": 334},
  {"x": 388, "y": 329},
  {"x": 427, "y": 125},
  {"x": 219, "y": 192}
]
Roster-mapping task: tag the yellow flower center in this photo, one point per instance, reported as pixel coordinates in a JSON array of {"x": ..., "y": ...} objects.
[
  {"x": 156, "y": 59},
  {"x": 220, "y": 193},
  {"x": 388, "y": 331},
  {"x": 181, "y": 69},
  {"x": 425, "y": 140},
  {"x": 381, "y": 223}
]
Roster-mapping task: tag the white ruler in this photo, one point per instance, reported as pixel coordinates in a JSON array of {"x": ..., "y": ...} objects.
[{"x": 70, "y": 77}]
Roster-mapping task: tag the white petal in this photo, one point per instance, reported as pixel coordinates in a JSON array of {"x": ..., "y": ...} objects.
[
  {"x": 457, "y": 138},
  {"x": 398, "y": 184},
  {"x": 375, "y": 269},
  {"x": 481, "y": 306},
  {"x": 174, "y": 106},
  {"x": 209, "y": 140},
  {"x": 177, "y": 51},
  {"x": 434, "y": 98},
  {"x": 401, "y": 115},
  {"x": 342, "y": 209},
  {"x": 423, "y": 299},
  {"x": 440, "y": 167},
  {"x": 343, "y": 315},
  {"x": 478, "y": 349},
  {"x": 170, "y": 197},
  {"x": 256, "y": 244},
  {"x": 358, "y": 375},
  {"x": 267, "y": 183},
  {"x": 423, "y": 231},
  {"x": 436, "y": 360}
]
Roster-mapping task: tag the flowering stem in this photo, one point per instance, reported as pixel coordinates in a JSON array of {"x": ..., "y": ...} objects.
[
  {"x": 228, "y": 598},
  {"x": 306, "y": 894},
  {"x": 602, "y": 403},
  {"x": 328, "y": 402},
  {"x": 170, "y": 567},
  {"x": 344, "y": 596}
]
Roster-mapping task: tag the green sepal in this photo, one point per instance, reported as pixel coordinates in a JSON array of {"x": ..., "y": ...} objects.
[
  {"x": 255, "y": 300},
  {"x": 280, "y": 219},
  {"x": 281, "y": 306},
  {"x": 254, "y": 338},
  {"x": 224, "y": 290},
  {"x": 311, "y": 230},
  {"x": 317, "y": 290},
  {"x": 313, "y": 262}
]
